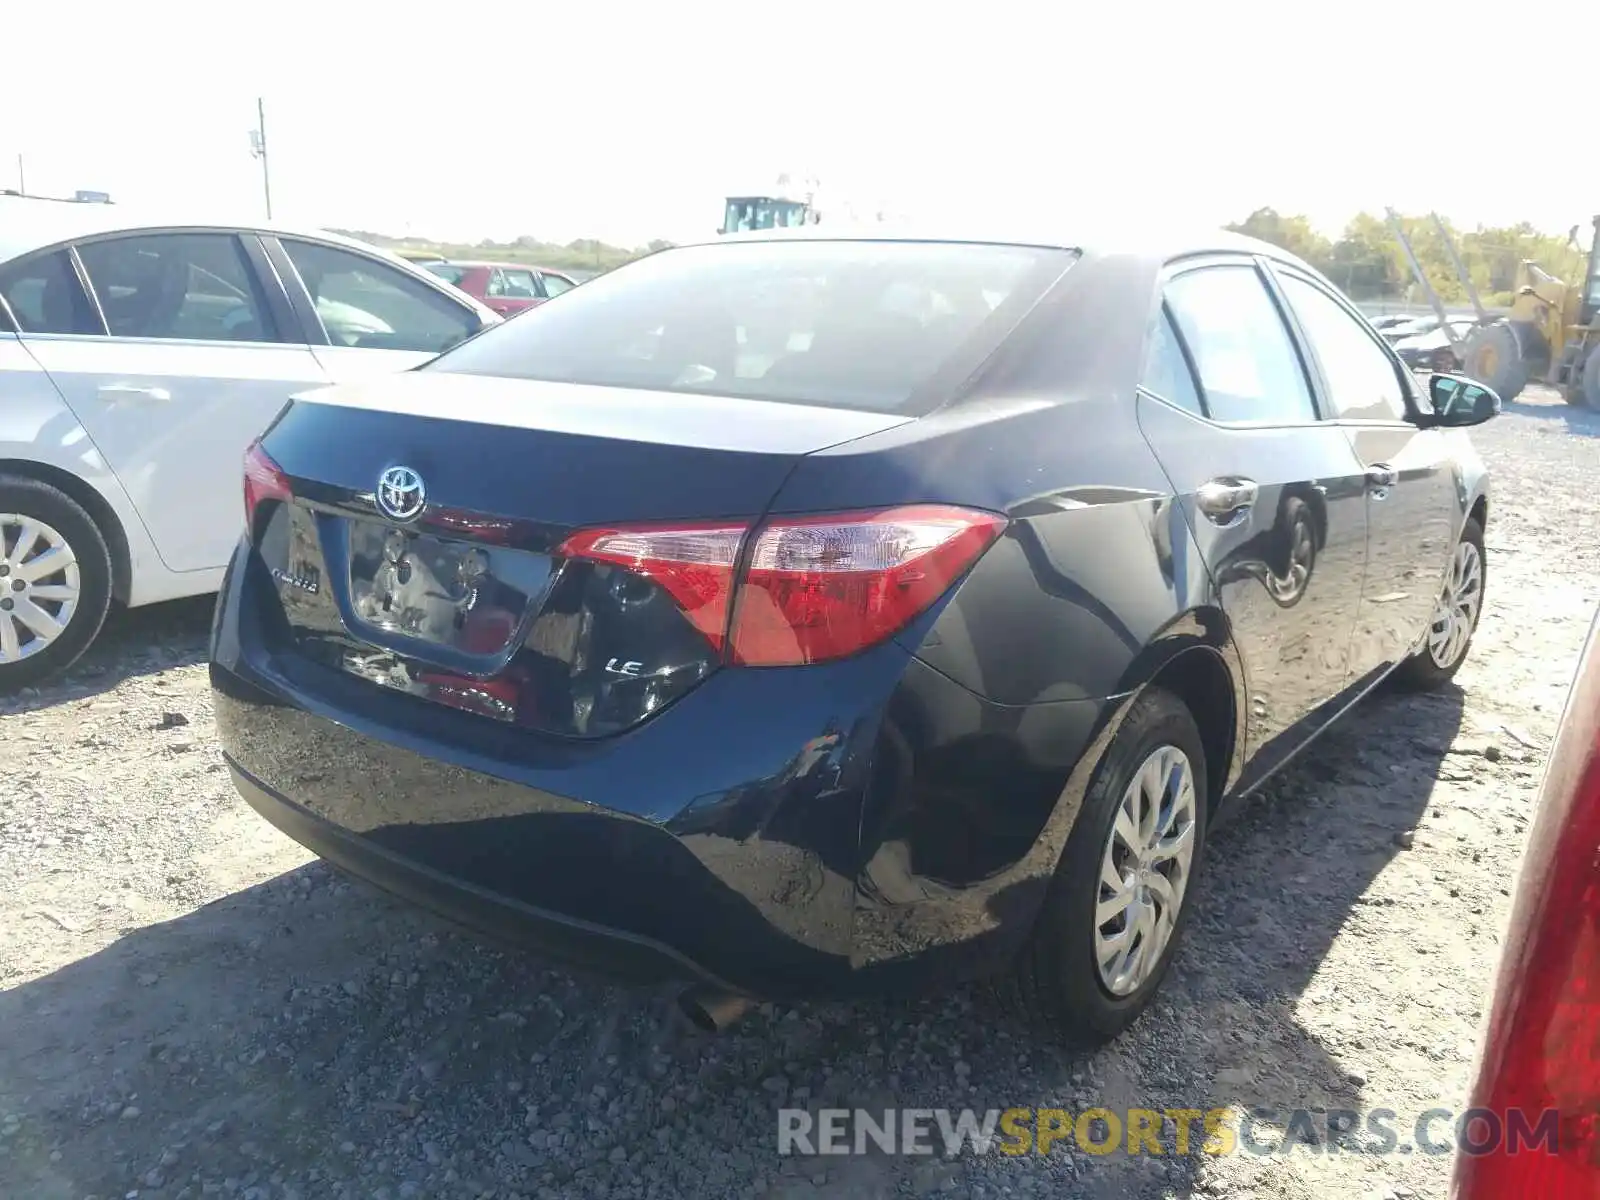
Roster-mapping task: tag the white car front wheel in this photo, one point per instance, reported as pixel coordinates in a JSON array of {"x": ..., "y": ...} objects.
[{"x": 55, "y": 581}]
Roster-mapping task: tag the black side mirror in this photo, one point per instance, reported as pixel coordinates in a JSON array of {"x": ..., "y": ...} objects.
[{"x": 1458, "y": 402}]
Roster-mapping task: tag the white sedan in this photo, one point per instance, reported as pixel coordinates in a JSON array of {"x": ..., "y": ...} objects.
[{"x": 138, "y": 359}]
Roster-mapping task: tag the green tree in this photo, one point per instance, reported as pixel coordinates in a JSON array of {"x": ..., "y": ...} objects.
[
  {"x": 1293, "y": 234},
  {"x": 1368, "y": 262}
]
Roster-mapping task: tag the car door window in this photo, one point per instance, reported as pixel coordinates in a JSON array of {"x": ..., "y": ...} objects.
[
  {"x": 44, "y": 295},
  {"x": 366, "y": 303},
  {"x": 1363, "y": 382},
  {"x": 448, "y": 272},
  {"x": 520, "y": 284},
  {"x": 194, "y": 286},
  {"x": 554, "y": 285},
  {"x": 497, "y": 284},
  {"x": 1249, "y": 369},
  {"x": 1166, "y": 371}
]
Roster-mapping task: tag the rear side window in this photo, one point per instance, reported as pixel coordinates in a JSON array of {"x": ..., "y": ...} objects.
[
  {"x": 1248, "y": 367},
  {"x": 554, "y": 285},
  {"x": 1363, "y": 382},
  {"x": 44, "y": 295},
  {"x": 853, "y": 324},
  {"x": 520, "y": 284},
  {"x": 1166, "y": 371},
  {"x": 373, "y": 305},
  {"x": 193, "y": 286}
]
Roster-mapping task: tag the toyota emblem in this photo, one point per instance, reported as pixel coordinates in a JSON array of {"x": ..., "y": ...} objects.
[{"x": 401, "y": 495}]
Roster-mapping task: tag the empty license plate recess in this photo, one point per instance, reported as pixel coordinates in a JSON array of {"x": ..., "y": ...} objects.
[{"x": 417, "y": 590}]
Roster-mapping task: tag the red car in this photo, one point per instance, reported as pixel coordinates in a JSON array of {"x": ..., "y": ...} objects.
[
  {"x": 505, "y": 287},
  {"x": 1534, "y": 1126}
]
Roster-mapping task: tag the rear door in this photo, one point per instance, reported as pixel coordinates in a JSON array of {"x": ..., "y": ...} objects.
[
  {"x": 518, "y": 289},
  {"x": 1275, "y": 496},
  {"x": 372, "y": 317},
  {"x": 179, "y": 366},
  {"x": 1413, "y": 505},
  {"x": 553, "y": 284}
]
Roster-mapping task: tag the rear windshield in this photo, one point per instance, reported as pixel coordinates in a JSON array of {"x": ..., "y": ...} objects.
[{"x": 851, "y": 324}]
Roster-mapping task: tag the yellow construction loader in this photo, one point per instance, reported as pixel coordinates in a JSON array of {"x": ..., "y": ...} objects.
[{"x": 1551, "y": 335}]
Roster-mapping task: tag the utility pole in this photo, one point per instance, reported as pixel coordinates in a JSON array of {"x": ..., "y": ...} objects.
[
  {"x": 22, "y": 178},
  {"x": 258, "y": 149}
]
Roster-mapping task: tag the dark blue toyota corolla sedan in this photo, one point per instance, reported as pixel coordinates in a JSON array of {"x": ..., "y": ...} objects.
[{"x": 813, "y": 612}]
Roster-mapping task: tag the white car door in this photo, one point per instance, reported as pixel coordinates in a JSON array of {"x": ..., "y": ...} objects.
[
  {"x": 186, "y": 375},
  {"x": 378, "y": 318}
]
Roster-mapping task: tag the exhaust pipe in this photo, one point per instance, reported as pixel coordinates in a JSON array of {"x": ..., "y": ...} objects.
[{"x": 713, "y": 1011}]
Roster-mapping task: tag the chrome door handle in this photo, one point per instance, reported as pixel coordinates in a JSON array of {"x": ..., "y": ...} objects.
[
  {"x": 1381, "y": 477},
  {"x": 130, "y": 392},
  {"x": 1226, "y": 500}
]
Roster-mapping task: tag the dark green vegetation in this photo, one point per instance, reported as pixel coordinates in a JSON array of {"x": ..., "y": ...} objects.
[
  {"x": 1367, "y": 261},
  {"x": 584, "y": 256}
]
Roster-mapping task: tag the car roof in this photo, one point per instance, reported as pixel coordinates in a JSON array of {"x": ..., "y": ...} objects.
[
  {"x": 1163, "y": 240},
  {"x": 28, "y": 224}
]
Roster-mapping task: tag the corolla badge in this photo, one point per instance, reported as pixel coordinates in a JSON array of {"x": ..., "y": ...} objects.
[{"x": 401, "y": 494}]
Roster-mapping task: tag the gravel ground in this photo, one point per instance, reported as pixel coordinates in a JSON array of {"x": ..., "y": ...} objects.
[{"x": 190, "y": 1006}]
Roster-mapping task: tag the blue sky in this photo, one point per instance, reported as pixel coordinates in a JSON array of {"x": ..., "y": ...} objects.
[{"x": 631, "y": 121}]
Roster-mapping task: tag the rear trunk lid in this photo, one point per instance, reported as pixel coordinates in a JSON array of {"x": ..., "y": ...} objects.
[{"x": 468, "y": 602}]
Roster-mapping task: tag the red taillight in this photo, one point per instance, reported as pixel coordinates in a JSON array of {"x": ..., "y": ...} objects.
[
  {"x": 824, "y": 587},
  {"x": 814, "y": 588},
  {"x": 693, "y": 562},
  {"x": 263, "y": 480},
  {"x": 1540, "y": 1069}
]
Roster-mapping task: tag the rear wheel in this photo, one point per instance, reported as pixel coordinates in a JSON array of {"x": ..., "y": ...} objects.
[
  {"x": 1455, "y": 617},
  {"x": 1120, "y": 896},
  {"x": 1588, "y": 384},
  {"x": 1493, "y": 356},
  {"x": 55, "y": 581}
]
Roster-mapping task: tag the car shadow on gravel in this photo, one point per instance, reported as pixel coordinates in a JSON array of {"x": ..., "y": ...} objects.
[
  {"x": 1576, "y": 420},
  {"x": 133, "y": 642},
  {"x": 310, "y": 1037},
  {"x": 1293, "y": 871}
]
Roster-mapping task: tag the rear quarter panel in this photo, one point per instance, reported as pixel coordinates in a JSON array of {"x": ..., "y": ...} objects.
[
  {"x": 1096, "y": 572},
  {"x": 1022, "y": 673}
]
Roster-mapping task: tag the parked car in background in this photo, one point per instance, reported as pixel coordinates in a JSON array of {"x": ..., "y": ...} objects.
[
  {"x": 507, "y": 288},
  {"x": 1434, "y": 350},
  {"x": 1384, "y": 324},
  {"x": 139, "y": 355},
  {"x": 1534, "y": 1131},
  {"x": 803, "y": 613}
]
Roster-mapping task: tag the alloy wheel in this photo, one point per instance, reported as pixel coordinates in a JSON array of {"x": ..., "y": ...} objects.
[
  {"x": 39, "y": 586},
  {"x": 1455, "y": 613},
  {"x": 1144, "y": 870}
]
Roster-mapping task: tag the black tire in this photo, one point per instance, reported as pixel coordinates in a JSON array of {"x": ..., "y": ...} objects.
[
  {"x": 50, "y": 506},
  {"x": 1587, "y": 387},
  {"x": 1056, "y": 980},
  {"x": 1421, "y": 672},
  {"x": 1493, "y": 356}
]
